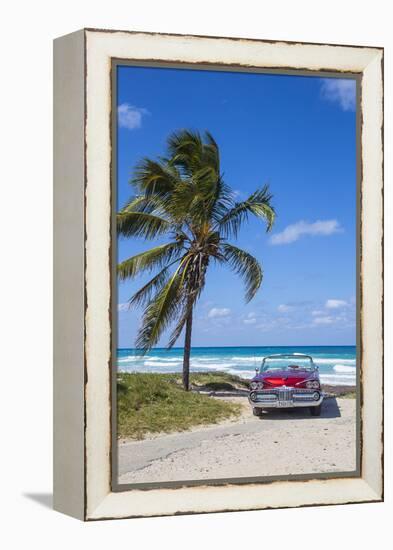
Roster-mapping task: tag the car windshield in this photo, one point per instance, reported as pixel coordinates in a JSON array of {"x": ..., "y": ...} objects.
[{"x": 289, "y": 363}]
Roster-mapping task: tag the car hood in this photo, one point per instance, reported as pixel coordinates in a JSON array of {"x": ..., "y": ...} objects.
[{"x": 284, "y": 377}]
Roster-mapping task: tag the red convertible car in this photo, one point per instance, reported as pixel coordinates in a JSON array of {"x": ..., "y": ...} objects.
[{"x": 285, "y": 381}]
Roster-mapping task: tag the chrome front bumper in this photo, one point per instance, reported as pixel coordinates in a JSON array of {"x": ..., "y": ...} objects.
[{"x": 285, "y": 398}]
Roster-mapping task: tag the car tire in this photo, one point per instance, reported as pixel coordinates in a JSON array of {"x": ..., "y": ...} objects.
[
  {"x": 257, "y": 411},
  {"x": 316, "y": 411}
]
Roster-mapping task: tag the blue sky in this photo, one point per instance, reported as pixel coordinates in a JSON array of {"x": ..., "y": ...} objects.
[{"x": 296, "y": 133}]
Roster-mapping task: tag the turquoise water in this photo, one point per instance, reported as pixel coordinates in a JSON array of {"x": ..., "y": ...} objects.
[{"x": 337, "y": 364}]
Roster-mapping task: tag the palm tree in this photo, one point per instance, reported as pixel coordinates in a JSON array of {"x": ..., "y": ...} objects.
[{"x": 184, "y": 197}]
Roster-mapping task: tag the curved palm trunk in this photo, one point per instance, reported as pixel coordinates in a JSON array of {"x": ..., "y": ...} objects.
[{"x": 187, "y": 353}]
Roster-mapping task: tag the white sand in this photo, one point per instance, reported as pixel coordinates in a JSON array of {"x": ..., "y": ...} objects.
[{"x": 280, "y": 443}]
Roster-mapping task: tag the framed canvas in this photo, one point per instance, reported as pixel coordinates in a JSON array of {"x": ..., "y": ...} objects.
[{"x": 175, "y": 157}]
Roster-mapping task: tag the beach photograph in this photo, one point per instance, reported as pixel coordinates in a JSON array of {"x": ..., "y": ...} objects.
[{"x": 235, "y": 341}]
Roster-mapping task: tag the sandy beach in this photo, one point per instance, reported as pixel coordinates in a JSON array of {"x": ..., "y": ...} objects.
[{"x": 280, "y": 443}]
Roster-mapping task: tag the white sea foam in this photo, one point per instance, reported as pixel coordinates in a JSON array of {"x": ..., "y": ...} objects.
[
  {"x": 207, "y": 359},
  {"x": 136, "y": 358},
  {"x": 165, "y": 359},
  {"x": 338, "y": 380},
  {"x": 249, "y": 358},
  {"x": 334, "y": 361},
  {"x": 161, "y": 363},
  {"x": 213, "y": 366},
  {"x": 128, "y": 359},
  {"x": 344, "y": 368}
]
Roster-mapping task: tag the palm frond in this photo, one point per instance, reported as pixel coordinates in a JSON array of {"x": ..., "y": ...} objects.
[
  {"x": 151, "y": 204},
  {"x": 179, "y": 327},
  {"x": 245, "y": 265},
  {"x": 186, "y": 150},
  {"x": 179, "y": 204},
  {"x": 212, "y": 152},
  {"x": 160, "y": 312},
  {"x": 155, "y": 177},
  {"x": 187, "y": 300},
  {"x": 141, "y": 224},
  {"x": 257, "y": 204},
  {"x": 223, "y": 200},
  {"x": 150, "y": 259},
  {"x": 144, "y": 294}
]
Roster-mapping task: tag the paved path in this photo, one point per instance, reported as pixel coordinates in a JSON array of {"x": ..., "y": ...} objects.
[{"x": 280, "y": 443}]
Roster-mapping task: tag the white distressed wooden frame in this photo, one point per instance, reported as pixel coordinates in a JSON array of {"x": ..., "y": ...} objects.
[{"x": 82, "y": 393}]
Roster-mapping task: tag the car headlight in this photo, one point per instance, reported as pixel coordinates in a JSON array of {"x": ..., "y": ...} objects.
[
  {"x": 253, "y": 385},
  {"x": 312, "y": 384},
  {"x": 259, "y": 385}
]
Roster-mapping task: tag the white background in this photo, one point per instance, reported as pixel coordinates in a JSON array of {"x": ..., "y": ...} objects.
[{"x": 28, "y": 28}]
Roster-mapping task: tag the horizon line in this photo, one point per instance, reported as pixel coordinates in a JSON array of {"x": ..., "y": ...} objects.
[{"x": 255, "y": 346}]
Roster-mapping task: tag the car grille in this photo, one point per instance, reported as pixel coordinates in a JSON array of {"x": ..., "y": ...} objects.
[
  {"x": 285, "y": 394},
  {"x": 302, "y": 395}
]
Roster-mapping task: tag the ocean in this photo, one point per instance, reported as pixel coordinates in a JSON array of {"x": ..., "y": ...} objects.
[{"x": 337, "y": 364}]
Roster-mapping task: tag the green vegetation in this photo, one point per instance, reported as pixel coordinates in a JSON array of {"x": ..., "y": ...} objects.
[
  {"x": 346, "y": 392},
  {"x": 183, "y": 196},
  {"x": 347, "y": 395},
  {"x": 218, "y": 381},
  {"x": 153, "y": 403}
]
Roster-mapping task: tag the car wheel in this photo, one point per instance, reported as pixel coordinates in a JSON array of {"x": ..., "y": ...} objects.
[
  {"x": 316, "y": 411},
  {"x": 257, "y": 411}
]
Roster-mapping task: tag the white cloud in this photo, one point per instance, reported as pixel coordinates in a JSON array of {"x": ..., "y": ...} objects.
[
  {"x": 218, "y": 312},
  {"x": 341, "y": 91},
  {"x": 317, "y": 312},
  {"x": 323, "y": 320},
  {"x": 251, "y": 318},
  {"x": 123, "y": 307},
  {"x": 130, "y": 117},
  {"x": 250, "y": 321},
  {"x": 293, "y": 232},
  {"x": 335, "y": 304},
  {"x": 266, "y": 326},
  {"x": 284, "y": 308}
]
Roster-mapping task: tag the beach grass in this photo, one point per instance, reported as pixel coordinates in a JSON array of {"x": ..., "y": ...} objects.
[
  {"x": 346, "y": 392},
  {"x": 152, "y": 403},
  {"x": 217, "y": 381},
  {"x": 348, "y": 395}
]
